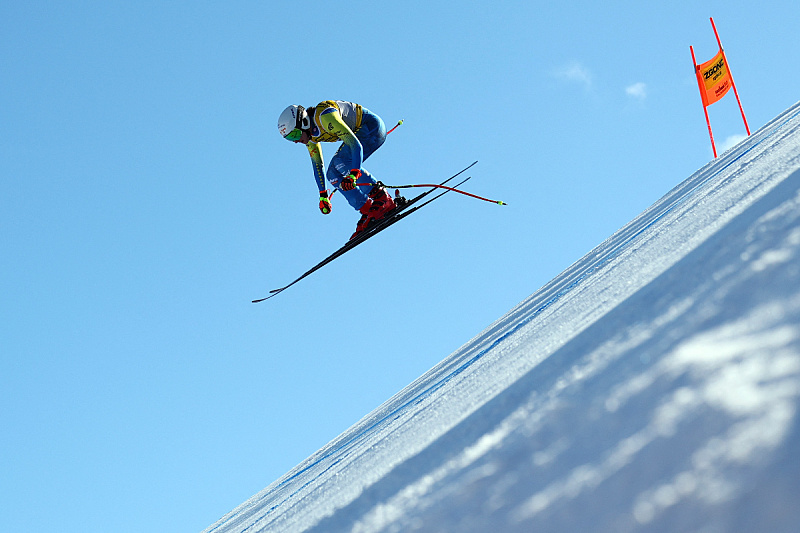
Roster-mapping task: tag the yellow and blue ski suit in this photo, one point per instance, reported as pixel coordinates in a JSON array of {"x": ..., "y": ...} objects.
[{"x": 361, "y": 133}]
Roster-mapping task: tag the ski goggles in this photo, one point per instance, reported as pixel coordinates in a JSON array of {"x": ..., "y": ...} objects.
[{"x": 294, "y": 135}]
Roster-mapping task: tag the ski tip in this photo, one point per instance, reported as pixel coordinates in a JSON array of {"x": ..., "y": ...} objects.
[{"x": 271, "y": 294}]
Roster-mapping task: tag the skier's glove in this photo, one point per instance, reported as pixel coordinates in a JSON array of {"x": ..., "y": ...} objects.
[
  {"x": 349, "y": 183},
  {"x": 324, "y": 202}
]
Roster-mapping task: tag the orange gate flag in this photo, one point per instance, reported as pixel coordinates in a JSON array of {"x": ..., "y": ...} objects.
[{"x": 714, "y": 79}]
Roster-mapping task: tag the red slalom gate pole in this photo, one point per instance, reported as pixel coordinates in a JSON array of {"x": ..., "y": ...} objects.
[
  {"x": 705, "y": 107},
  {"x": 733, "y": 83}
]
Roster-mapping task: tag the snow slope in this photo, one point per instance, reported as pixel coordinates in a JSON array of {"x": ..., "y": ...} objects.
[{"x": 653, "y": 385}]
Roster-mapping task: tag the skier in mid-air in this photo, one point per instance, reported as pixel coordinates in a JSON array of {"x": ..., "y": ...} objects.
[{"x": 361, "y": 133}]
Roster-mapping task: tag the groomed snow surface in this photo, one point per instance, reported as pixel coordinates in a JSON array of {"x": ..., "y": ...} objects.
[{"x": 652, "y": 386}]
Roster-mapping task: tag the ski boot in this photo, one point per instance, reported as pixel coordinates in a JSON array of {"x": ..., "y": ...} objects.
[
  {"x": 378, "y": 205},
  {"x": 382, "y": 202}
]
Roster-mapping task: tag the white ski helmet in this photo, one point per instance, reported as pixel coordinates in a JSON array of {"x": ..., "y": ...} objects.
[{"x": 292, "y": 122}]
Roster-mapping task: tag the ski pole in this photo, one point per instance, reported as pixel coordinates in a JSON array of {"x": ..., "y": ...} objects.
[
  {"x": 400, "y": 122},
  {"x": 498, "y": 202},
  {"x": 465, "y": 193}
]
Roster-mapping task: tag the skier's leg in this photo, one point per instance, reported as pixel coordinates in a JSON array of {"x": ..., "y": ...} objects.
[
  {"x": 339, "y": 169},
  {"x": 371, "y": 135}
]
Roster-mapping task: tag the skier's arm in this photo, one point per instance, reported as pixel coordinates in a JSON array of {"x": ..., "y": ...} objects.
[
  {"x": 315, "y": 151},
  {"x": 332, "y": 121}
]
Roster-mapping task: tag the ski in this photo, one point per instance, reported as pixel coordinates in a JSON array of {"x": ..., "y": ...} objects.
[{"x": 402, "y": 211}]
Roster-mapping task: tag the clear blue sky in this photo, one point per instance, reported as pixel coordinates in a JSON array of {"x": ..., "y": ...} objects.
[{"x": 147, "y": 198}]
